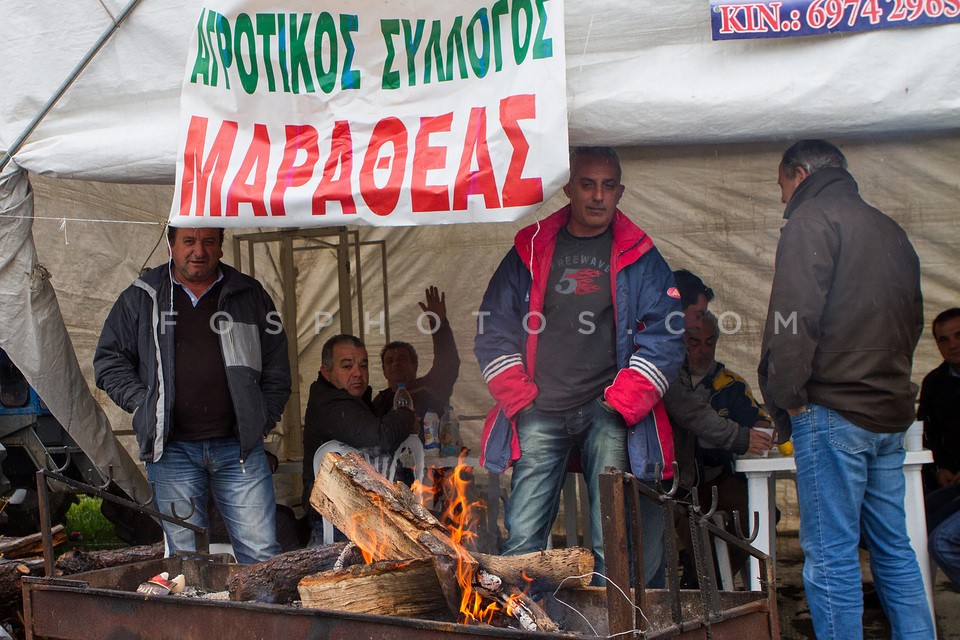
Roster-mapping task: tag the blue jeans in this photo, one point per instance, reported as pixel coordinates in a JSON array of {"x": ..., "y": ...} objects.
[
  {"x": 546, "y": 440},
  {"x": 850, "y": 483},
  {"x": 243, "y": 493},
  {"x": 943, "y": 523}
]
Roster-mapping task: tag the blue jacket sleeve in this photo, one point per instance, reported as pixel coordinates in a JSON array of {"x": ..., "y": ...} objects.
[
  {"x": 501, "y": 338},
  {"x": 654, "y": 341}
]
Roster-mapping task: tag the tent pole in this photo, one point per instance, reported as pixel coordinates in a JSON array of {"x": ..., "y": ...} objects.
[{"x": 71, "y": 78}]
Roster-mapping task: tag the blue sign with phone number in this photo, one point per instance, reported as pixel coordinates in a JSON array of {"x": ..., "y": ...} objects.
[{"x": 786, "y": 18}]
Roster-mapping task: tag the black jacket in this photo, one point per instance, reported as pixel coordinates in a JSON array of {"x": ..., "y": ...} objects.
[
  {"x": 134, "y": 360},
  {"x": 845, "y": 310},
  {"x": 940, "y": 411},
  {"x": 334, "y": 414}
]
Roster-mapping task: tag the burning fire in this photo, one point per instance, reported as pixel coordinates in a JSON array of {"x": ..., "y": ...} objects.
[
  {"x": 460, "y": 519},
  {"x": 364, "y": 532}
]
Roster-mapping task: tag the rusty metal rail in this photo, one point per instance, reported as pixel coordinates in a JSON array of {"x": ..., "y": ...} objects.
[
  {"x": 104, "y": 604},
  {"x": 64, "y": 483},
  {"x": 621, "y": 494}
]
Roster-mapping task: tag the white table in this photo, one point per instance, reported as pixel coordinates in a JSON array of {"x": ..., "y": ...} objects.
[{"x": 761, "y": 495}]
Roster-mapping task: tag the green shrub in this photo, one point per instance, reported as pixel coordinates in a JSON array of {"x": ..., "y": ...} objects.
[{"x": 96, "y": 532}]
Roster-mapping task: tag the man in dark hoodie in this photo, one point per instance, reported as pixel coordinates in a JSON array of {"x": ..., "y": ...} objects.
[
  {"x": 340, "y": 408},
  {"x": 844, "y": 318}
]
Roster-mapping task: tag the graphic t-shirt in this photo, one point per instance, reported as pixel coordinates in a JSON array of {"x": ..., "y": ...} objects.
[{"x": 576, "y": 351}]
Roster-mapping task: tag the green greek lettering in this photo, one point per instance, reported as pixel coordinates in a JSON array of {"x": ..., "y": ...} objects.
[{"x": 390, "y": 78}]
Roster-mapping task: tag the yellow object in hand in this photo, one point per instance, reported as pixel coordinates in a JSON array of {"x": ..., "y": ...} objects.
[{"x": 786, "y": 448}]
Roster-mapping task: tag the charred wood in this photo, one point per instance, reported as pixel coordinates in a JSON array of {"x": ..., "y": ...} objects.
[{"x": 275, "y": 580}]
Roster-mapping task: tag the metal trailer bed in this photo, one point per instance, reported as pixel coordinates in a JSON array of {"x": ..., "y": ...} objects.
[{"x": 104, "y": 604}]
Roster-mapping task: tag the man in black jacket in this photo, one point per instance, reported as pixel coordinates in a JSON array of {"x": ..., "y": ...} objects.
[
  {"x": 195, "y": 350},
  {"x": 940, "y": 411},
  {"x": 844, "y": 318},
  {"x": 339, "y": 408}
]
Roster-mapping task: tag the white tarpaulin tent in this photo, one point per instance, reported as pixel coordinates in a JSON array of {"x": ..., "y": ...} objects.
[{"x": 700, "y": 124}]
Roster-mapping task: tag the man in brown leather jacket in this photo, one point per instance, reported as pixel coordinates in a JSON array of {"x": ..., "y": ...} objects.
[{"x": 844, "y": 318}]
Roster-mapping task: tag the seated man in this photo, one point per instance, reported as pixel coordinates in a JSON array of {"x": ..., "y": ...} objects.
[
  {"x": 339, "y": 408},
  {"x": 399, "y": 359},
  {"x": 691, "y": 415},
  {"x": 729, "y": 395},
  {"x": 698, "y": 423},
  {"x": 940, "y": 411}
]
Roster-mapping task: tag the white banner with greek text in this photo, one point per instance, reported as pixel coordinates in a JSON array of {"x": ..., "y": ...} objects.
[{"x": 387, "y": 113}]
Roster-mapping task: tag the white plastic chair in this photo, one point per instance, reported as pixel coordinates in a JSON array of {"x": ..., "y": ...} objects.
[
  {"x": 409, "y": 454},
  {"x": 330, "y": 446}
]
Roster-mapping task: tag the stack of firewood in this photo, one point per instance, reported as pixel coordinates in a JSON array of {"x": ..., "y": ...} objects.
[{"x": 402, "y": 561}]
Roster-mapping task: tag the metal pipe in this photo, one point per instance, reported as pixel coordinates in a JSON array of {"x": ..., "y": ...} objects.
[
  {"x": 71, "y": 78},
  {"x": 361, "y": 319},
  {"x": 46, "y": 532}
]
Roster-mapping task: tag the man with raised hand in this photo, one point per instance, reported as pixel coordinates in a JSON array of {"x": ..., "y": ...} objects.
[{"x": 432, "y": 391}]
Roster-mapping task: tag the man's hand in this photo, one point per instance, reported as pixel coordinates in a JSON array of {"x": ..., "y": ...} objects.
[
  {"x": 416, "y": 427},
  {"x": 436, "y": 303},
  {"x": 945, "y": 477},
  {"x": 797, "y": 411},
  {"x": 760, "y": 442}
]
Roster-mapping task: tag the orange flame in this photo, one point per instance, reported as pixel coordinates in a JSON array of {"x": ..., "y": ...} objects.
[
  {"x": 460, "y": 519},
  {"x": 515, "y": 600},
  {"x": 364, "y": 533}
]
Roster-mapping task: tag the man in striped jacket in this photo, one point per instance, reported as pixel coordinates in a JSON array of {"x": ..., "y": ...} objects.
[{"x": 576, "y": 347}]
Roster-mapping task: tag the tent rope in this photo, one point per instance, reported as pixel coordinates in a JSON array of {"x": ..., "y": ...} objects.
[
  {"x": 163, "y": 236},
  {"x": 63, "y": 220},
  {"x": 107, "y": 10}
]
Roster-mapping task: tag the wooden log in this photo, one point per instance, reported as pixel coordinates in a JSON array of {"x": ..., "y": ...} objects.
[
  {"x": 275, "y": 580},
  {"x": 382, "y": 519},
  {"x": 399, "y": 588},
  {"x": 77, "y": 561},
  {"x": 11, "y": 594},
  {"x": 350, "y": 556},
  {"x": 389, "y": 523},
  {"x": 547, "y": 570},
  {"x": 31, "y": 545},
  {"x": 519, "y": 607}
]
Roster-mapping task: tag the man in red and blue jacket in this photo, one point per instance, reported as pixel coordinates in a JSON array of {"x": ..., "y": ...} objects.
[{"x": 576, "y": 347}]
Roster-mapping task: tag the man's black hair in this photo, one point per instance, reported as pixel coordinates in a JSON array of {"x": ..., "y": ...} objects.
[
  {"x": 399, "y": 344},
  {"x": 944, "y": 316},
  {"x": 326, "y": 354},
  {"x": 172, "y": 234},
  {"x": 691, "y": 287},
  {"x": 811, "y": 155}
]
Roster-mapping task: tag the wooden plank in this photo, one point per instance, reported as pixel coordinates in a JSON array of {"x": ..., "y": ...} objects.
[{"x": 407, "y": 588}]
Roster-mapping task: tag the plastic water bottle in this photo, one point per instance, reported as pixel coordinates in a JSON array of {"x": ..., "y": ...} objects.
[
  {"x": 450, "y": 443},
  {"x": 431, "y": 433},
  {"x": 402, "y": 398}
]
